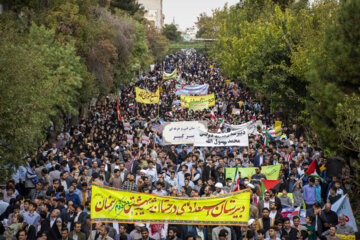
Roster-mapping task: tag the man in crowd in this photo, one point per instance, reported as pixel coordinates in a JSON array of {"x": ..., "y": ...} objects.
[{"x": 96, "y": 149}]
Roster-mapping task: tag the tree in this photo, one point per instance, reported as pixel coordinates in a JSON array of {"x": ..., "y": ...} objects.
[
  {"x": 170, "y": 32},
  {"x": 335, "y": 89},
  {"x": 130, "y": 6},
  {"x": 39, "y": 82}
]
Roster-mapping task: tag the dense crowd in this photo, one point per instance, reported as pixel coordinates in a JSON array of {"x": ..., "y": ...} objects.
[{"x": 49, "y": 197}]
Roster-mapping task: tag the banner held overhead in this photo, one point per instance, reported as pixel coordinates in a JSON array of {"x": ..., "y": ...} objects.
[{"x": 111, "y": 205}]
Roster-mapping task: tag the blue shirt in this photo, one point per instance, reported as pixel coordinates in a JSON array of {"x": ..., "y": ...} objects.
[
  {"x": 309, "y": 194},
  {"x": 3, "y": 206},
  {"x": 318, "y": 193},
  {"x": 31, "y": 219},
  {"x": 74, "y": 197}
]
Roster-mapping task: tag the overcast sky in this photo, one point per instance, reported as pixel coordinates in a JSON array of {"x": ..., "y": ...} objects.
[{"x": 187, "y": 11}]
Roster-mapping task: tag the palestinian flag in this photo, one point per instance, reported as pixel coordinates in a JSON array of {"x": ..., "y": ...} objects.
[
  {"x": 118, "y": 109},
  {"x": 312, "y": 171},
  {"x": 266, "y": 185},
  {"x": 212, "y": 115},
  {"x": 235, "y": 186},
  {"x": 131, "y": 105}
]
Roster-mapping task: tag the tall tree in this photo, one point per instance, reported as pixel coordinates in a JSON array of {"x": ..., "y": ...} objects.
[
  {"x": 334, "y": 78},
  {"x": 171, "y": 32}
]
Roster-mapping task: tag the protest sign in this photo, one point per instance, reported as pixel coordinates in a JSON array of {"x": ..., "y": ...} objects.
[
  {"x": 181, "y": 132},
  {"x": 185, "y": 100},
  {"x": 251, "y": 127},
  {"x": 236, "y": 111},
  {"x": 192, "y": 90},
  {"x": 342, "y": 206},
  {"x": 126, "y": 126},
  {"x": 129, "y": 138},
  {"x": 167, "y": 76},
  {"x": 143, "y": 96},
  {"x": 271, "y": 172},
  {"x": 113, "y": 205},
  {"x": 198, "y": 105},
  {"x": 236, "y": 138},
  {"x": 277, "y": 128},
  {"x": 145, "y": 140}
]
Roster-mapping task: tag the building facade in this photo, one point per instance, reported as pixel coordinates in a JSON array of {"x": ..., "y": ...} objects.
[{"x": 154, "y": 11}]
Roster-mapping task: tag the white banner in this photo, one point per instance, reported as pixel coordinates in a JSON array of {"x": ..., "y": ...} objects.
[
  {"x": 251, "y": 126},
  {"x": 342, "y": 206},
  {"x": 175, "y": 133},
  {"x": 192, "y": 90},
  {"x": 237, "y": 138}
]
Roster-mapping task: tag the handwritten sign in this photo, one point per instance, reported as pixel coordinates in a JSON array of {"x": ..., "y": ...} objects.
[
  {"x": 129, "y": 138},
  {"x": 127, "y": 126},
  {"x": 145, "y": 140},
  {"x": 181, "y": 132},
  {"x": 110, "y": 205},
  {"x": 186, "y": 100},
  {"x": 147, "y": 97},
  {"x": 191, "y": 90},
  {"x": 236, "y": 138}
]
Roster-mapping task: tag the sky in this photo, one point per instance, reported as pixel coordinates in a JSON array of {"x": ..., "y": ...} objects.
[{"x": 187, "y": 11}]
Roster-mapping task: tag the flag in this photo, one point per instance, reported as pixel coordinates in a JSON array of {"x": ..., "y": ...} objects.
[
  {"x": 235, "y": 186},
  {"x": 266, "y": 185},
  {"x": 290, "y": 212},
  {"x": 118, "y": 110},
  {"x": 342, "y": 206},
  {"x": 212, "y": 115},
  {"x": 253, "y": 117},
  {"x": 160, "y": 120},
  {"x": 287, "y": 157},
  {"x": 131, "y": 104},
  {"x": 312, "y": 171},
  {"x": 170, "y": 114}
]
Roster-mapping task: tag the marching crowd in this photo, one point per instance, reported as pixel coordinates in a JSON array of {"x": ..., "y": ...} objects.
[{"x": 49, "y": 197}]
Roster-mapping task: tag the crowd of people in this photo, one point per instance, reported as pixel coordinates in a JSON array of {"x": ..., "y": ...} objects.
[{"x": 49, "y": 197}]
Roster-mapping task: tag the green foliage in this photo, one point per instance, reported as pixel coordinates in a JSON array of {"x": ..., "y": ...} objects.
[
  {"x": 39, "y": 80},
  {"x": 130, "y": 6},
  {"x": 170, "y": 32}
]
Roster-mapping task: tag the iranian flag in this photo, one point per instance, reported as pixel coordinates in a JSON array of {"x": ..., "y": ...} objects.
[
  {"x": 212, "y": 115},
  {"x": 131, "y": 105},
  {"x": 235, "y": 186},
  {"x": 312, "y": 171},
  {"x": 170, "y": 114}
]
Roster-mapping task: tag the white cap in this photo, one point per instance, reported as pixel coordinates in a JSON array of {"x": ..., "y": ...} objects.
[
  {"x": 139, "y": 225},
  {"x": 218, "y": 185},
  {"x": 116, "y": 148},
  {"x": 143, "y": 171},
  {"x": 251, "y": 220}
]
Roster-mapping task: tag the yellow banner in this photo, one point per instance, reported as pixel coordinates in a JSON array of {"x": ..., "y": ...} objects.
[
  {"x": 186, "y": 100},
  {"x": 277, "y": 128},
  {"x": 143, "y": 96},
  {"x": 110, "y": 205},
  {"x": 227, "y": 81}
]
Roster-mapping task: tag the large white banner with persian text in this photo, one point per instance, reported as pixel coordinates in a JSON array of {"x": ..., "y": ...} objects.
[
  {"x": 237, "y": 138},
  {"x": 175, "y": 133}
]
